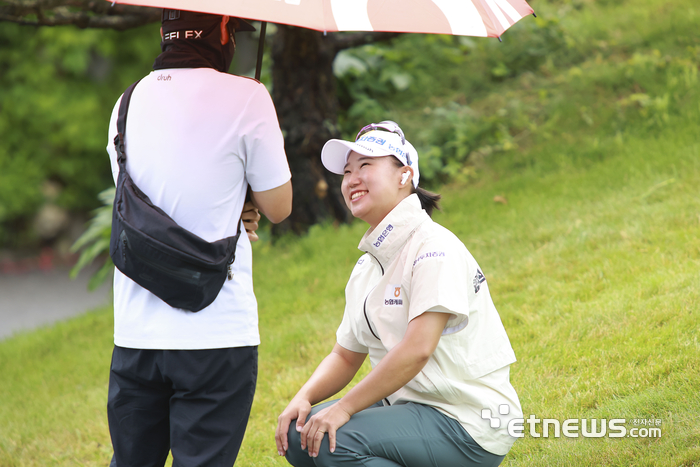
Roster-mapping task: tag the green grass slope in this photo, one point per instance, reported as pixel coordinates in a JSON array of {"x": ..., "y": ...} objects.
[{"x": 587, "y": 229}]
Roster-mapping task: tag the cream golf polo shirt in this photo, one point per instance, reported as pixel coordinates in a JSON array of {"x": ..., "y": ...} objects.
[
  {"x": 195, "y": 139},
  {"x": 413, "y": 265}
]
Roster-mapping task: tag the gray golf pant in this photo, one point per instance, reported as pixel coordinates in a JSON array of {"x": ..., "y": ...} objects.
[{"x": 406, "y": 435}]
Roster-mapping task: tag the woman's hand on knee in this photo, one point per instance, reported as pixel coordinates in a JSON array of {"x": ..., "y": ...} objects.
[
  {"x": 296, "y": 410},
  {"x": 325, "y": 421}
]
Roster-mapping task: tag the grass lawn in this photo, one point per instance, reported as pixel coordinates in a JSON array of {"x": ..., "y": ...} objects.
[{"x": 588, "y": 233}]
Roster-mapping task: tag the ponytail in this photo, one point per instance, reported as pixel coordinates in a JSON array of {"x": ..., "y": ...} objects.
[{"x": 428, "y": 199}]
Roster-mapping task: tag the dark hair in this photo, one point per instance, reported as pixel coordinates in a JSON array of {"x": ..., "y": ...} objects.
[{"x": 428, "y": 200}]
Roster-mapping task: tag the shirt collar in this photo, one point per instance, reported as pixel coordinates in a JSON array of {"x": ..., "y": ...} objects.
[{"x": 392, "y": 232}]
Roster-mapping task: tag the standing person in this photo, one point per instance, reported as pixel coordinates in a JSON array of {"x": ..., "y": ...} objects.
[
  {"x": 196, "y": 139},
  {"x": 419, "y": 305}
]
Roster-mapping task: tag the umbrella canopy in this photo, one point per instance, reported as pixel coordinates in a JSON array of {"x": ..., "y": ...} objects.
[{"x": 481, "y": 18}]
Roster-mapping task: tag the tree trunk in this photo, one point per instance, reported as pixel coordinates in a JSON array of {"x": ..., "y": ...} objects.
[{"x": 304, "y": 93}]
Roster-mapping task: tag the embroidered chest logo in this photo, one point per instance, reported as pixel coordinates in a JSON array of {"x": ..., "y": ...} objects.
[
  {"x": 478, "y": 280},
  {"x": 393, "y": 295}
]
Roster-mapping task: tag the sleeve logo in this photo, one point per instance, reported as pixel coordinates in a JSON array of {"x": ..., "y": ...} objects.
[{"x": 478, "y": 280}]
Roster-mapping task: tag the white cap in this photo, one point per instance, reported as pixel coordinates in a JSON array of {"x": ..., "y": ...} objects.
[{"x": 374, "y": 140}]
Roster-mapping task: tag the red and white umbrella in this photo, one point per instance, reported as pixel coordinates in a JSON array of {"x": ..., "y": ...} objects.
[{"x": 481, "y": 18}]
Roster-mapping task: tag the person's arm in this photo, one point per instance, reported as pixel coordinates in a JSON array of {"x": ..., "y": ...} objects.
[
  {"x": 396, "y": 369},
  {"x": 331, "y": 375},
  {"x": 275, "y": 204}
]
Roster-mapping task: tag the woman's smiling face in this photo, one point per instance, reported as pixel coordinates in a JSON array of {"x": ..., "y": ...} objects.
[{"x": 372, "y": 186}]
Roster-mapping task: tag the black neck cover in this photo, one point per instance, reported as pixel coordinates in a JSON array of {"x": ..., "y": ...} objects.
[{"x": 194, "y": 44}]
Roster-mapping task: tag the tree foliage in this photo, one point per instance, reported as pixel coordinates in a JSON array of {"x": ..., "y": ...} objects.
[
  {"x": 58, "y": 89},
  {"x": 435, "y": 79},
  {"x": 81, "y": 13}
]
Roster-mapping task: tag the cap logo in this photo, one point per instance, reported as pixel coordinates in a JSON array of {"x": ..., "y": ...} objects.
[
  {"x": 372, "y": 139},
  {"x": 400, "y": 153},
  {"x": 186, "y": 34}
]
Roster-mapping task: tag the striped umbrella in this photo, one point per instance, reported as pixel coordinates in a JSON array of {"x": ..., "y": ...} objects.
[{"x": 481, "y": 18}]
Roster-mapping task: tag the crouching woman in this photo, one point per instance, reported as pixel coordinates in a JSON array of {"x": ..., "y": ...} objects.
[{"x": 418, "y": 304}]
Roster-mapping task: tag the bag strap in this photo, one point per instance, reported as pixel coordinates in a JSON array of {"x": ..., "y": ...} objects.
[
  {"x": 121, "y": 124},
  {"x": 121, "y": 150}
]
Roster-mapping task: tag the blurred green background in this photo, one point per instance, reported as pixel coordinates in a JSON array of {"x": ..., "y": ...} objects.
[
  {"x": 569, "y": 160},
  {"x": 582, "y": 70}
]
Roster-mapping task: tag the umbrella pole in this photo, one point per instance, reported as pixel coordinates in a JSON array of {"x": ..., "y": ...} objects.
[{"x": 261, "y": 48}]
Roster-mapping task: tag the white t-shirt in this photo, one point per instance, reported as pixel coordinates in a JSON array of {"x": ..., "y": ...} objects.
[
  {"x": 413, "y": 265},
  {"x": 195, "y": 139}
]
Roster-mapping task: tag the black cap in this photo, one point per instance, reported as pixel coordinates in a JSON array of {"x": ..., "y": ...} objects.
[{"x": 178, "y": 19}]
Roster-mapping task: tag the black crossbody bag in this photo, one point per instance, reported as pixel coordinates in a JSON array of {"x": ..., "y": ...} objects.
[{"x": 148, "y": 246}]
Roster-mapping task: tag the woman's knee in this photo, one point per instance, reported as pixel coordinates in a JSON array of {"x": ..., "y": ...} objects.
[
  {"x": 295, "y": 455},
  {"x": 299, "y": 457}
]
